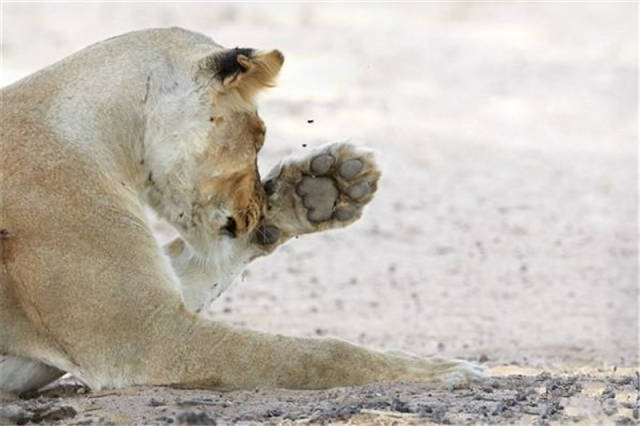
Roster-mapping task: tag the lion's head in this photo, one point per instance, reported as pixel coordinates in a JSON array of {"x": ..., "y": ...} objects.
[{"x": 204, "y": 134}]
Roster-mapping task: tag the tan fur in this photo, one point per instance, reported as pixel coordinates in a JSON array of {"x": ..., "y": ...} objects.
[
  {"x": 238, "y": 90},
  {"x": 239, "y": 182},
  {"x": 262, "y": 70},
  {"x": 84, "y": 288}
]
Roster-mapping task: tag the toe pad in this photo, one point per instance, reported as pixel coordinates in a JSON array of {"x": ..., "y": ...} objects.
[
  {"x": 322, "y": 163},
  {"x": 344, "y": 213},
  {"x": 358, "y": 190},
  {"x": 350, "y": 168},
  {"x": 267, "y": 234}
]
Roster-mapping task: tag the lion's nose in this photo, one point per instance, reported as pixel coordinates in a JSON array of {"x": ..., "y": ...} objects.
[
  {"x": 245, "y": 206},
  {"x": 244, "y": 221},
  {"x": 231, "y": 227}
]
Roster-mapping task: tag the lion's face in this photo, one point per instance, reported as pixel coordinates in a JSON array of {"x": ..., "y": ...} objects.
[
  {"x": 234, "y": 188},
  {"x": 204, "y": 138}
]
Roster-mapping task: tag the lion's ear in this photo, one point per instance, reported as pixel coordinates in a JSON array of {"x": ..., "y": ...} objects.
[{"x": 243, "y": 70}]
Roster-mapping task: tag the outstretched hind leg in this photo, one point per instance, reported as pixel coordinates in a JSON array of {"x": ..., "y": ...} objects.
[{"x": 19, "y": 374}]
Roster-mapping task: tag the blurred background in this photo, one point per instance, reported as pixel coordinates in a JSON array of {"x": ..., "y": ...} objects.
[{"x": 505, "y": 226}]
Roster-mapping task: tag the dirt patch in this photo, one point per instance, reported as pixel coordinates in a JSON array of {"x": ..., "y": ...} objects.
[{"x": 517, "y": 398}]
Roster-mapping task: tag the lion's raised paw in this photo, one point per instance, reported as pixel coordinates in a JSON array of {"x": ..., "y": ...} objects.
[{"x": 326, "y": 189}]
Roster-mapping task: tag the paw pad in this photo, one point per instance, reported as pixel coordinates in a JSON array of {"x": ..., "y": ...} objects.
[
  {"x": 321, "y": 164},
  {"x": 358, "y": 190},
  {"x": 345, "y": 213},
  {"x": 269, "y": 186},
  {"x": 350, "y": 168},
  {"x": 323, "y": 192},
  {"x": 318, "y": 195},
  {"x": 267, "y": 234},
  {"x": 327, "y": 189}
]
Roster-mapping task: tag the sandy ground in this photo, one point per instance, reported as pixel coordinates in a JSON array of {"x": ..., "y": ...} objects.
[
  {"x": 504, "y": 230},
  {"x": 505, "y": 397}
]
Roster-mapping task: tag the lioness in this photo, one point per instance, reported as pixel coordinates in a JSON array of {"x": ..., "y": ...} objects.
[{"x": 164, "y": 118}]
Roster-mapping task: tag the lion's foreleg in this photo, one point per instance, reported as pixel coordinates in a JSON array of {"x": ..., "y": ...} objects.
[
  {"x": 204, "y": 277},
  {"x": 327, "y": 189},
  {"x": 134, "y": 329},
  {"x": 213, "y": 355}
]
